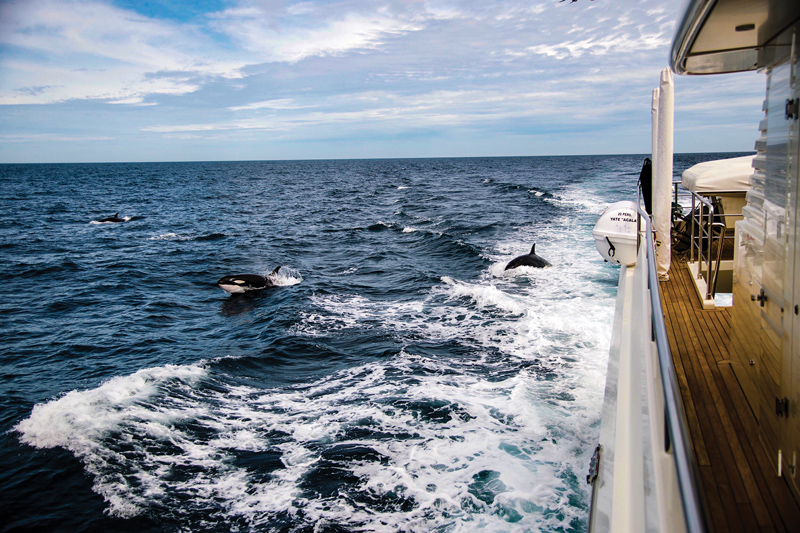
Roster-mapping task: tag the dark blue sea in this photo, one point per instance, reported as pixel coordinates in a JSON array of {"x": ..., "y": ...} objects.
[{"x": 396, "y": 379}]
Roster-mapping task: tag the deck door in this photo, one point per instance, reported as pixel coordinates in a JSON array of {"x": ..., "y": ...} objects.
[
  {"x": 789, "y": 405},
  {"x": 777, "y": 282}
]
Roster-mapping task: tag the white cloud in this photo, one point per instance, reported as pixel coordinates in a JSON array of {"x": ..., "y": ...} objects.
[
  {"x": 340, "y": 69},
  {"x": 280, "y": 103},
  {"x": 616, "y": 44},
  {"x": 393, "y": 112},
  {"x": 136, "y": 100},
  {"x": 91, "y": 50},
  {"x": 296, "y": 34},
  {"x": 51, "y": 137},
  {"x": 81, "y": 30}
]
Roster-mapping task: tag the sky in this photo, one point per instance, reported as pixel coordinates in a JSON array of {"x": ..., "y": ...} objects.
[{"x": 188, "y": 80}]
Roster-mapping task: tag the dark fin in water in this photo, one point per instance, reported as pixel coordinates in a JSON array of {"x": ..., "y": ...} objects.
[
  {"x": 275, "y": 271},
  {"x": 533, "y": 249}
]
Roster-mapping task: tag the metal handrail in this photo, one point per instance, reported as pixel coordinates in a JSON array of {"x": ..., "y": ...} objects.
[
  {"x": 688, "y": 481},
  {"x": 705, "y": 232},
  {"x": 698, "y": 241},
  {"x": 711, "y": 289}
]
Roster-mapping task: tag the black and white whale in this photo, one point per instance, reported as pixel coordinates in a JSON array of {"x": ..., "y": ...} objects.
[
  {"x": 115, "y": 218},
  {"x": 531, "y": 260},
  {"x": 241, "y": 283}
]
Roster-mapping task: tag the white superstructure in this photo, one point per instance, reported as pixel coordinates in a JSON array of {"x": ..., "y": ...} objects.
[{"x": 646, "y": 477}]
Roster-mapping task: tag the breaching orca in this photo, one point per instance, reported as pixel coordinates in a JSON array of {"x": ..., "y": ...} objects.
[
  {"x": 241, "y": 283},
  {"x": 115, "y": 218},
  {"x": 530, "y": 259}
]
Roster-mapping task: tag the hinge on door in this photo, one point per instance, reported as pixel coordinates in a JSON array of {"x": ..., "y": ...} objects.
[
  {"x": 782, "y": 406},
  {"x": 791, "y": 109},
  {"x": 594, "y": 466}
]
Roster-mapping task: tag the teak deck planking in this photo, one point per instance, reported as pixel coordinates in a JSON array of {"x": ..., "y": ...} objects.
[{"x": 742, "y": 492}]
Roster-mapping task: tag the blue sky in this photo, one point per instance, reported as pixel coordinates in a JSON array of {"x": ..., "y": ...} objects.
[{"x": 175, "y": 80}]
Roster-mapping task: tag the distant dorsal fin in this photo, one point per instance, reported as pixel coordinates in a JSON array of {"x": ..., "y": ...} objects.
[
  {"x": 276, "y": 270},
  {"x": 117, "y": 215},
  {"x": 533, "y": 249}
]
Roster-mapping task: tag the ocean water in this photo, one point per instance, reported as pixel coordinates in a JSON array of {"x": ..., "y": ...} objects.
[{"x": 397, "y": 379}]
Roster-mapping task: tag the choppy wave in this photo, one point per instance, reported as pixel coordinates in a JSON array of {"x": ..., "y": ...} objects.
[
  {"x": 409, "y": 444},
  {"x": 211, "y": 237}
]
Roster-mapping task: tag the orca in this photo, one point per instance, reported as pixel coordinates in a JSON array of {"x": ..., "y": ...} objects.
[
  {"x": 241, "y": 283},
  {"x": 530, "y": 259},
  {"x": 115, "y": 218}
]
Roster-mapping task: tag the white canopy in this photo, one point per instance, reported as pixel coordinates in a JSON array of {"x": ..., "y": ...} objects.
[{"x": 722, "y": 175}]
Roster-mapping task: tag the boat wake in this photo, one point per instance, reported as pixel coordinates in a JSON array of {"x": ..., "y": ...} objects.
[{"x": 410, "y": 443}]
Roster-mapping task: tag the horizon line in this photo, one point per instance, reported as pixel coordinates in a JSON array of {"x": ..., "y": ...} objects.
[{"x": 645, "y": 154}]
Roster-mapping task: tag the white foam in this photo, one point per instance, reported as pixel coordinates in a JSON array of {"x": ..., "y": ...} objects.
[
  {"x": 170, "y": 237},
  {"x": 562, "y": 323},
  {"x": 337, "y": 312},
  {"x": 285, "y": 277},
  {"x": 87, "y": 422},
  {"x": 95, "y": 411},
  {"x": 496, "y": 427},
  {"x": 551, "y": 313},
  {"x": 576, "y": 196},
  {"x": 526, "y": 431},
  {"x": 484, "y": 296}
]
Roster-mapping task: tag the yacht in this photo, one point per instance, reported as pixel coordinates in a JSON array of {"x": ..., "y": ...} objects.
[{"x": 700, "y": 425}]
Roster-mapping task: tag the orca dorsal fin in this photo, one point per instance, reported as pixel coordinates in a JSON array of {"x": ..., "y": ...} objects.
[
  {"x": 116, "y": 215},
  {"x": 276, "y": 270},
  {"x": 533, "y": 249}
]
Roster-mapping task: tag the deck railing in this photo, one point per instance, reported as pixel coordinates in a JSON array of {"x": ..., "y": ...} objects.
[
  {"x": 677, "y": 438},
  {"x": 705, "y": 233},
  {"x": 643, "y": 469}
]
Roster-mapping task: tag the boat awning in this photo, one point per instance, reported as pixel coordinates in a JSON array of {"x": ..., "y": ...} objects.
[
  {"x": 719, "y": 176},
  {"x": 718, "y": 36}
]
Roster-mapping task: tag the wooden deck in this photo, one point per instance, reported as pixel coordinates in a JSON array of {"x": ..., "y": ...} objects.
[{"x": 742, "y": 491}]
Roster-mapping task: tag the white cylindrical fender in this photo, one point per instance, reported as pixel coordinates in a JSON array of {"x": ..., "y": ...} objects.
[{"x": 615, "y": 233}]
